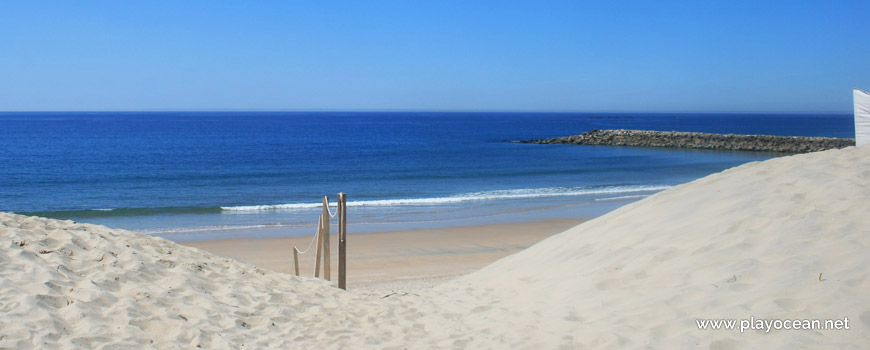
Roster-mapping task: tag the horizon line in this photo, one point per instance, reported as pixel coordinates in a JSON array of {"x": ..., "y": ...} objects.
[{"x": 416, "y": 111}]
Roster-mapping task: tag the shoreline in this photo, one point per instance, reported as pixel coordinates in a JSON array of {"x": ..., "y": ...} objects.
[
  {"x": 407, "y": 259},
  {"x": 538, "y": 209}
]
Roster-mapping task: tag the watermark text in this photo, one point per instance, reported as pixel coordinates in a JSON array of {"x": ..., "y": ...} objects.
[{"x": 766, "y": 325}]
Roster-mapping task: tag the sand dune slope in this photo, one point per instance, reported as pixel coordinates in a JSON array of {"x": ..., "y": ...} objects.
[
  {"x": 785, "y": 238},
  {"x": 72, "y": 285}
]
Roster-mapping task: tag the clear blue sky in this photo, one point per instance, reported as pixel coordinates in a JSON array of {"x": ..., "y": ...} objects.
[{"x": 657, "y": 56}]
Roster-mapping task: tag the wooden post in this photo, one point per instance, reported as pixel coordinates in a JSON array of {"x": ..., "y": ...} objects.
[
  {"x": 342, "y": 240},
  {"x": 319, "y": 246},
  {"x": 325, "y": 221},
  {"x": 296, "y": 260}
]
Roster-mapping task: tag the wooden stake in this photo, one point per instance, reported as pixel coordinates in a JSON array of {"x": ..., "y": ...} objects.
[
  {"x": 342, "y": 240},
  {"x": 319, "y": 246},
  {"x": 296, "y": 260},
  {"x": 325, "y": 219}
]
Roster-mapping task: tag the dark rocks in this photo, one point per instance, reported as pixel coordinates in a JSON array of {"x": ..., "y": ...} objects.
[{"x": 697, "y": 140}]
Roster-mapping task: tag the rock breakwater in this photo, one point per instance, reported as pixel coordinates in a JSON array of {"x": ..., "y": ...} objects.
[{"x": 697, "y": 140}]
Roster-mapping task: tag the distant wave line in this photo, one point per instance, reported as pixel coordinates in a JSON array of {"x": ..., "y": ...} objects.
[
  {"x": 113, "y": 212},
  {"x": 467, "y": 197},
  {"x": 460, "y": 198}
]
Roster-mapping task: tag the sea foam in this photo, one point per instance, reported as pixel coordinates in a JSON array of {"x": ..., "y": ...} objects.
[{"x": 465, "y": 197}]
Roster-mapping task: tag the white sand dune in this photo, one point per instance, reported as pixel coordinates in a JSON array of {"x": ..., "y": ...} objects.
[{"x": 751, "y": 241}]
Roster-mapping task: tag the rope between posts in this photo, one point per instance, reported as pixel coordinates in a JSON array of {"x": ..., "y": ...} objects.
[
  {"x": 323, "y": 226},
  {"x": 313, "y": 239},
  {"x": 331, "y": 214}
]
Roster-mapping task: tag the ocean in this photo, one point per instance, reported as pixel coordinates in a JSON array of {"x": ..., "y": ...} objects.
[{"x": 205, "y": 175}]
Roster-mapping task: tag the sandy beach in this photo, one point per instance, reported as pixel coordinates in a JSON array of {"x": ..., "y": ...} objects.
[
  {"x": 783, "y": 239},
  {"x": 398, "y": 260}
]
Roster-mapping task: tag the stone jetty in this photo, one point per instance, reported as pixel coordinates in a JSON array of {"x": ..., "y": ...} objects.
[{"x": 697, "y": 140}]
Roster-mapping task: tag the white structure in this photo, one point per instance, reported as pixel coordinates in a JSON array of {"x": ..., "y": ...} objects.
[{"x": 862, "y": 117}]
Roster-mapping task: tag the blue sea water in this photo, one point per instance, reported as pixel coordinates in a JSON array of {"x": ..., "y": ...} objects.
[{"x": 179, "y": 174}]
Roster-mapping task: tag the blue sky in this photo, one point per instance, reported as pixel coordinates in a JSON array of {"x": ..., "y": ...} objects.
[{"x": 658, "y": 56}]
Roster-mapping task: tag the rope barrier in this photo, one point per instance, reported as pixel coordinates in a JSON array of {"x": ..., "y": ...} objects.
[
  {"x": 313, "y": 239},
  {"x": 331, "y": 214},
  {"x": 322, "y": 239},
  {"x": 303, "y": 252}
]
